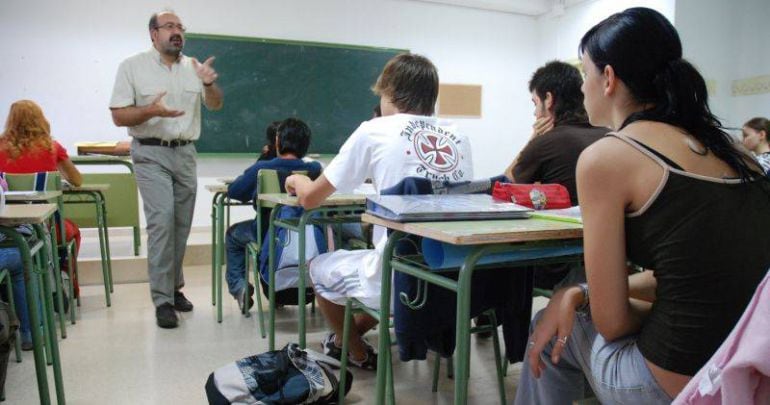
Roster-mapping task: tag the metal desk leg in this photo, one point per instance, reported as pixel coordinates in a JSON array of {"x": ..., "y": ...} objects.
[
  {"x": 219, "y": 254},
  {"x": 463, "y": 324},
  {"x": 54, "y": 257},
  {"x": 48, "y": 302},
  {"x": 43, "y": 276},
  {"x": 384, "y": 332},
  {"x": 302, "y": 268},
  {"x": 102, "y": 203},
  {"x": 271, "y": 273},
  {"x": 137, "y": 240},
  {"x": 102, "y": 251},
  {"x": 224, "y": 225},
  {"x": 32, "y": 290},
  {"x": 214, "y": 249}
]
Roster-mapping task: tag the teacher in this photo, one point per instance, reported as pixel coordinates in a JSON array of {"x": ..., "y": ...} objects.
[{"x": 157, "y": 95}]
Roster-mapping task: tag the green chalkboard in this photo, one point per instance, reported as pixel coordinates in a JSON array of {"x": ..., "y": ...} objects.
[{"x": 326, "y": 85}]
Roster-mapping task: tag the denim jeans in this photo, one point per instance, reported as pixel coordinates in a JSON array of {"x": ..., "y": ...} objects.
[
  {"x": 10, "y": 259},
  {"x": 616, "y": 371},
  {"x": 238, "y": 236}
]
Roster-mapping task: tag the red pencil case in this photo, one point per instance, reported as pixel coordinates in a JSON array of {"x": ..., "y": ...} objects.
[{"x": 537, "y": 196}]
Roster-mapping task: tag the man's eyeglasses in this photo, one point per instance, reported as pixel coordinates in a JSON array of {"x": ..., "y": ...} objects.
[{"x": 170, "y": 26}]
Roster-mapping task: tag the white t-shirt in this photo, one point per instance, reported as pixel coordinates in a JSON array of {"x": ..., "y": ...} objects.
[{"x": 389, "y": 149}]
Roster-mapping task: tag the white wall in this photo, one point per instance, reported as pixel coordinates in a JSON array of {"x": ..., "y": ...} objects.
[
  {"x": 64, "y": 55},
  {"x": 728, "y": 41},
  {"x": 559, "y": 37}
]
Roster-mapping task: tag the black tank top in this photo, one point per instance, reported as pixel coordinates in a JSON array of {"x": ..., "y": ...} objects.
[{"x": 706, "y": 241}]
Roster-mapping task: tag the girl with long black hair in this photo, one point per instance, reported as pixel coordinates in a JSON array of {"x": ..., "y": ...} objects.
[{"x": 668, "y": 192}]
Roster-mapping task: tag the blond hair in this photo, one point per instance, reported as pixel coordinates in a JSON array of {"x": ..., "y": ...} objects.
[{"x": 26, "y": 129}]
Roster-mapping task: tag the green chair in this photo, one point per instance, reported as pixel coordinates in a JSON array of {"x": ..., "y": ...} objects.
[
  {"x": 51, "y": 181},
  {"x": 268, "y": 181}
]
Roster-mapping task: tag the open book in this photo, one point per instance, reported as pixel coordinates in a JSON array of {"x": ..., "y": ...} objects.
[{"x": 415, "y": 208}]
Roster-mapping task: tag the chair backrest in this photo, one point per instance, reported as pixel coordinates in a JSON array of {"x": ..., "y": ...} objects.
[
  {"x": 268, "y": 181},
  {"x": 41, "y": 181},
  {"x": 121, "y": 199}
]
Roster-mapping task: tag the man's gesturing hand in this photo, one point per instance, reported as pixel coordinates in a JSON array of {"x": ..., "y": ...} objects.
[
  {"x": 158, "y": 109},
  {"x": 205, "y": 72}
]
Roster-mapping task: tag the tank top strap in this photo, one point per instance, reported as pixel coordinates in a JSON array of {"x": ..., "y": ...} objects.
[{"x": 653, "y": 154}]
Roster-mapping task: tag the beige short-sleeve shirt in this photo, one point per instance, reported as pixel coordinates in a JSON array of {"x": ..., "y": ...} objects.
[{"x": 142, "y": 77}]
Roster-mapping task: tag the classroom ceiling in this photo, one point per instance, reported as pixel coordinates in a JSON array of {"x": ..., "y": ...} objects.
[{"x": 533, "y": 8}]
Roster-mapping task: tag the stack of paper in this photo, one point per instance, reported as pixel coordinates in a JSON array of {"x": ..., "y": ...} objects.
[{"x": 571, "y": 214}]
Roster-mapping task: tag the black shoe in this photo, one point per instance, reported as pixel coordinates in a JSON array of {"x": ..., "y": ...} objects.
[
  {"x": 66, "y": 302},
  {"x": 480, "y": 321},
  {"x": 181, "y": 303},
  {"x": 27, "y": 346},
  {"x": 332, "y": 350},
  {"x": 244, "y": 299},
  {"x": 166, "y": 316}
]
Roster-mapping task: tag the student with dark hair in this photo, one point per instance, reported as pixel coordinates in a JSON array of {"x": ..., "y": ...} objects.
[
  {"x": 561, "y": 130},
  {"x": 406, "y": 141},
  {"x": 268, "y": 150},
  {"x": 292, "y": 142},
  {"x": 560, "y": 134},
  {"x": 669, "y": 192},
  {"x": 755, "y": 133}
]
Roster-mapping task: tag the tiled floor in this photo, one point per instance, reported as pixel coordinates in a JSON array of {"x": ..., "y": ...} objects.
[{"x": 118, "y": 355}]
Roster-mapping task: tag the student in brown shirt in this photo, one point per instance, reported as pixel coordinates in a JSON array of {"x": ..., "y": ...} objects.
[
  {"x": 561, "y": 130},
  {"x": 560, "y": 133}
]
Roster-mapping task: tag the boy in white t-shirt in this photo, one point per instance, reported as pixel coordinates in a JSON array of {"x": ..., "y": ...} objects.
[{"x": 405, "y": 142}]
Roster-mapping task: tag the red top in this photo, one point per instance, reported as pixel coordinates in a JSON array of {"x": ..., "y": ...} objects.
[{"x": 34, "y": 161}]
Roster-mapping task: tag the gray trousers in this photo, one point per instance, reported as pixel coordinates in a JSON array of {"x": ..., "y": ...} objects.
[
  {"x": 616, "y": 371},
  {"x": 167, "y": 180}
]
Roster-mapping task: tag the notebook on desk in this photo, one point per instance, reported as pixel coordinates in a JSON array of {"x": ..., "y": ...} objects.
[
  {"x": 416, "y": 208},
  {"x": 27, "y": 193},
  {"x": 571, "y": 214}
]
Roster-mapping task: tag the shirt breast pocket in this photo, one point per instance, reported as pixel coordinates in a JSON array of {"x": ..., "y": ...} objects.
[
  {"x": 148, "y": 94},
  {"x": 191, "y": 93}
]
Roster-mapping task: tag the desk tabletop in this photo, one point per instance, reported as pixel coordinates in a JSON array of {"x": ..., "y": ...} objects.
[
  {"x": 332, "y": 201},
  {"x": 485, "y": 231},
  {"x": 100, "y": 159},
  {"x": 32, "y": 196},
  {"x": 104, "y": 148},
  {"x": 216, "y": 188},
  {"x": 14, "y": 215},
  {"x": 85, "y": 187},
  {"x": 226, "y": 180}
]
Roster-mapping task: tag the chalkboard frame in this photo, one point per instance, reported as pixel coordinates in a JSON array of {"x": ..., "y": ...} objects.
[{"x": 330, "y": 147}]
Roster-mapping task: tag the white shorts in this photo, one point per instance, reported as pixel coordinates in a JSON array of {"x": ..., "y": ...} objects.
[{"x": 339, "y": 275}]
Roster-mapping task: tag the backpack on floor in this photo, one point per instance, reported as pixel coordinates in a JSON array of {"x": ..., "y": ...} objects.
[
  {"x": 287, "y": 376},
  {"x": 8, "y": 326}
]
